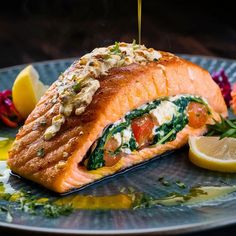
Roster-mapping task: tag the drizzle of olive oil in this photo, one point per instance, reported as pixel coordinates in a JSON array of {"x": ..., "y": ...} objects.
[
  {"x": 5, "y": 145},
  {"x": 89, "y": 202},
  {"x": 196, "y": 195},
  {"x": 139, "y": 20}
]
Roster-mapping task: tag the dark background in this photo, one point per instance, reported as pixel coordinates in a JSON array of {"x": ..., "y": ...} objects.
[{"x": 35, "y": 30}]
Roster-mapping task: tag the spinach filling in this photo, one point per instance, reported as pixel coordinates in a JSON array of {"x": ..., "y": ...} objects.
[{"x": 163, "y": 133}]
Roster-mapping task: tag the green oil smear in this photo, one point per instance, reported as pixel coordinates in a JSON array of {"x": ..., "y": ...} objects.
[{"x": 195, "y": 196}]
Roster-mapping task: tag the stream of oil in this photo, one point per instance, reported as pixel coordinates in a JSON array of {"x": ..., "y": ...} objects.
[{"x": 139, "y": 21}]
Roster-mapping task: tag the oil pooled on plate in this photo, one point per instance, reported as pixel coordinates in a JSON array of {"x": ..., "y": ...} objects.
[{"x": 5, "y": 145}]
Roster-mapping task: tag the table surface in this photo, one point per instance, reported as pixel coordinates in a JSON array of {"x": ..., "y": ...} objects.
[
  {"x": 46, "y": 30},
  {"x": 49, "y": 30}
]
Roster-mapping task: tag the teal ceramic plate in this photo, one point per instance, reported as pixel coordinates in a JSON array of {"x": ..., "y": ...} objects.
[{"x": 158, "y": 219}]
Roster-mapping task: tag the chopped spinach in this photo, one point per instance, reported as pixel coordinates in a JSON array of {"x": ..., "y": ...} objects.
[
  {"x": 132, "y": 144},
  {"x": 95, "y": 160},
  {"x": 140, "y": 112},
  {"x": 167, "y": 131},
  {"x": 164, "y": 133}
]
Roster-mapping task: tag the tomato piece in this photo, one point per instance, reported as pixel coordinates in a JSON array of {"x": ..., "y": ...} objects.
[
  {"x": 110, "y": 146},
  {"x": 197, "y": 114},
  {"x": 142, "y": 129}
]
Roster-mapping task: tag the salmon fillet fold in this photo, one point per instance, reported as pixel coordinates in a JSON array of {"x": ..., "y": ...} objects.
[{"x": 121, "y": 90}]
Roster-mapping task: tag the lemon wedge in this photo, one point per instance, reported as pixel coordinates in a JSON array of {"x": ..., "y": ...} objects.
[
  {"x": 27, "y": 90},
  {"x": 213, "y": 153}
]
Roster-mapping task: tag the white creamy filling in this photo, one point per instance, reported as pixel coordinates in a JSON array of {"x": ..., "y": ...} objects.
[
  {"x": 123, "y": 138},
  {"x": 164, "y": 112}
]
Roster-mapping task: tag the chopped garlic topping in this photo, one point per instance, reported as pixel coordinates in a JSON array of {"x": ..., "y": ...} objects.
[{"x": 57, "y": 122}]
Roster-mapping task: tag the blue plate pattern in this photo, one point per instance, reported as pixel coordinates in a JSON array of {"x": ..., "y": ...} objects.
[{"x": 157, "y": 219}]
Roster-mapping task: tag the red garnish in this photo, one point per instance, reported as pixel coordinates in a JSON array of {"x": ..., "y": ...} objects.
[
  {"x": 222, "y": 80},
  {"x": 8, "y": 113},
  {"x": 233, "y": 101}
]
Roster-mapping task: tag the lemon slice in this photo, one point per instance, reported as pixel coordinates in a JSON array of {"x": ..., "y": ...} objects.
[
  {"x": 213, "y": 153},
  {"x": 27, "y": 90}
]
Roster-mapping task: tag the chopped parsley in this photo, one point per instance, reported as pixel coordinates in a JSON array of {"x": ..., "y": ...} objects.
[
  {"x": 116, "y": 48},
  {"x": 180, "y": 184},
  {"x": 41, "y": 152},
  {"x": 53, "y": 211},
  {"x": 164, "y": 182},
  {"x": 77, "y": 87},
  {"x": 28, "y": 203}
]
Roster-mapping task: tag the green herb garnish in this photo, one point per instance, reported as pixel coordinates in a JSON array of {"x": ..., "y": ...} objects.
[
  {"x": 53, "y": 211},
  {"x": 142, "y": 200},
  {"x": 43, "y": 122},
  {"x": 115, "y": 49},
  {"x": 77, "y": 87},
  {"x": 180, "y": 184},
  {"x": 41, "y": 152},
  {"x": 28, "y": 203},
  {"x": 164, "y": 182},
  {"x": 135, "y": 45},
  {"x": 223, "y": 128}
]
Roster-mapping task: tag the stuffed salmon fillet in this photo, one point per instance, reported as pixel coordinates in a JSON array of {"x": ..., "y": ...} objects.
[{"x": 113, "y": 108}]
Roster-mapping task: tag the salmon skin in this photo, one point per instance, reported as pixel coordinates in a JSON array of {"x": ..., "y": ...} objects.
[{"x": 61, "y": 162}]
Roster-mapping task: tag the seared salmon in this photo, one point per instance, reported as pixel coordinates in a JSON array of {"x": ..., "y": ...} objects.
[{"x": 67, "y": 159}]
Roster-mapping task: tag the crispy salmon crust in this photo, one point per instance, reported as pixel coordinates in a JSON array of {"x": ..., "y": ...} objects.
[{"x": 121, "y": 91}]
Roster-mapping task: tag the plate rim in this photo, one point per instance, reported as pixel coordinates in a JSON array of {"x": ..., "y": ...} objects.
[{"x": 173, "y": 230}]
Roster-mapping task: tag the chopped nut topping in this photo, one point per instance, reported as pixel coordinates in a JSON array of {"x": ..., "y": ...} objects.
[
  {"x": 65, "y": 154},
  {"x": 77, "y": 85},
  {"x": 60, "y": 165}
]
